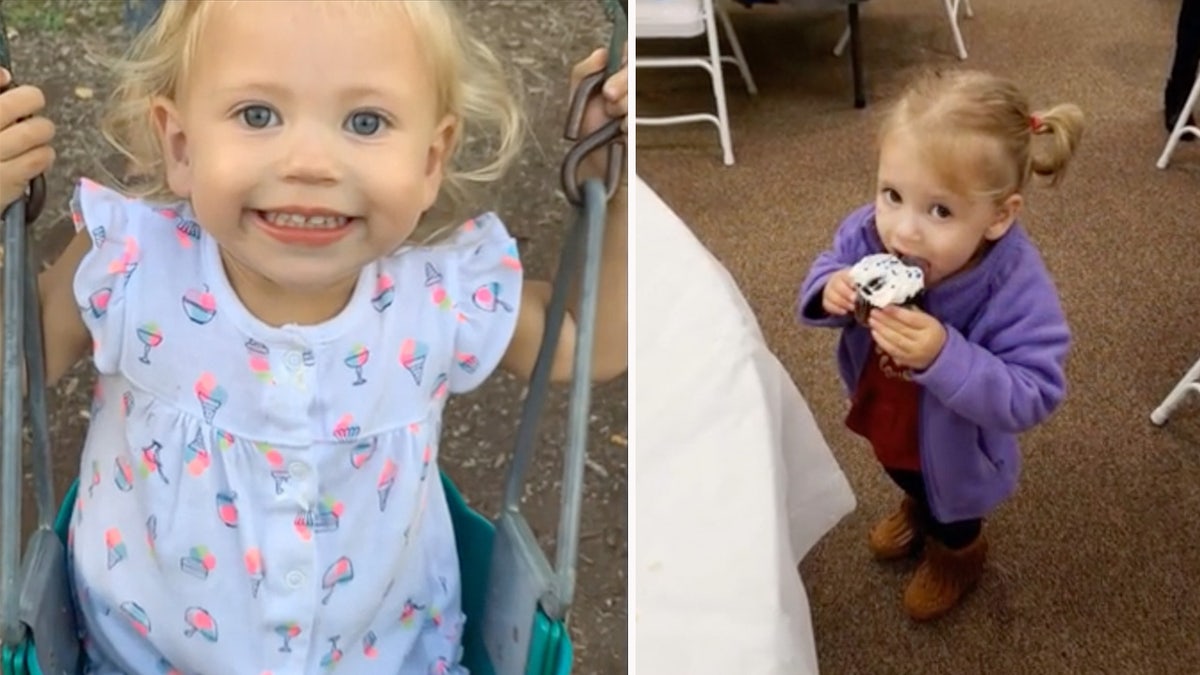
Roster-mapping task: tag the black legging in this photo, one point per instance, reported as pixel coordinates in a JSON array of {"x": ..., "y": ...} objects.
[
  {"x": 951, "y": 535},
  {"x": 1187, "y": 57}
]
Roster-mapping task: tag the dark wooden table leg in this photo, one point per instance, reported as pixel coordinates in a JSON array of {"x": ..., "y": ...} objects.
[{"x": 860, "y": 98}]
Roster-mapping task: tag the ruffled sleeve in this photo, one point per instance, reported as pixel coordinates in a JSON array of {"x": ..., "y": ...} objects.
[
  {"x": 485, "y": 275},
  {"x": 104, "y": 275}
]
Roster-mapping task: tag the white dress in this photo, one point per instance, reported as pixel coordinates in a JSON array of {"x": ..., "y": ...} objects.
[{"x": 257, "y": 499}]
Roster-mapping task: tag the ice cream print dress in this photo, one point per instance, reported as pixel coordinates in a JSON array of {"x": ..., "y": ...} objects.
[{"x": 257, "y": 499}]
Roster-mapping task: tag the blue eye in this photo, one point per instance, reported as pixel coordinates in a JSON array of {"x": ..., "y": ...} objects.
[
  {"x": 365, "y": 123},
  {"x": 257, "y": 116}
]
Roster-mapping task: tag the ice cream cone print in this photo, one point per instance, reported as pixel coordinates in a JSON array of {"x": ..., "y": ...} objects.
[
  {"x": 341, "y": 572},
  {"x": 280, "y": 477},
  {"x": 152, "y": 535},
  {"x": 254, "y": 568},
  {"x": 487, "y": 298},
  {"x": 152, "y": 461},
  {"x": 200, "y": 622},
  {"x": 98, "y": 302},
  {"x": 385, "y": 292},
  {"x": 387, "y": 478},
  {"x": 198, "y": 562},
  {"x": 227, "y": 509},
  {"x": 432, "y": 276},
  {"x": 362, "y": 453},
  {"x": 334, "y": 655},
  {"x": 137, "y": 617},
  {"x": 346, "y": 429},
  {"x": 196, "y": 456},
  {"x": 211, "y": 396},
  {"x": 95, "y": 478},
  {"x": 412, "y": 357},
  {"x": 369, "y": 641},
  {"x": 128, "y": 262},
  {"x": 225, "y": 440},
  {"x": 441, "y": 386},
  {"x": 115, "y": 546},
  {"x": 199, "y": 305}
]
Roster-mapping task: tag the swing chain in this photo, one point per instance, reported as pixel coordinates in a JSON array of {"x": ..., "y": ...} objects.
[
  {"x": 35, "y": 195},
  {"x": 610, "y": 135}
]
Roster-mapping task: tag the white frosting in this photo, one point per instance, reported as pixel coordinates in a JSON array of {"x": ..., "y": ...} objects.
[{"x": 883, "y": 280}]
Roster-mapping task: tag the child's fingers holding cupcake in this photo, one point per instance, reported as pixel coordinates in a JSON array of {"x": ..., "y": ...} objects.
[{"x": 911, "y": 337}]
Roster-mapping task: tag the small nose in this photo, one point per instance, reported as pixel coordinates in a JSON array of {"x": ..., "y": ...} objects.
[
  {"x": 310, "y": 157},
  {"x": 908, "y": 227}
]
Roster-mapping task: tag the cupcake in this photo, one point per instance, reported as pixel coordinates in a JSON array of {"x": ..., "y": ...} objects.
[{"x": 883, "y": 279}]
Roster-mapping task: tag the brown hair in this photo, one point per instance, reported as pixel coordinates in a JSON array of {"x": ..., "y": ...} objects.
[{"x": 955, "y": 109}]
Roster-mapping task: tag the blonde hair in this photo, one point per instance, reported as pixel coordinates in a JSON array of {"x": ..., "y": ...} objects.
[
  {"x": 471, "y": 85},
  {"x": 954, "y": 110}
]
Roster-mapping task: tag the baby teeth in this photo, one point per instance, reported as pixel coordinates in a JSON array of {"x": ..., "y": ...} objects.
[{"x": 297, "y": 220}]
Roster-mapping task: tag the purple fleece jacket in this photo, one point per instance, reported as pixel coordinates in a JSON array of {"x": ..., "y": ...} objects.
[{"x": 1000, "y": 372}]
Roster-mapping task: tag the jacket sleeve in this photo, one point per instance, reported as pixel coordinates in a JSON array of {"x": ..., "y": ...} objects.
[
  {"x": 849, "y": 245},
  {"x": 1014, "y": 377}
]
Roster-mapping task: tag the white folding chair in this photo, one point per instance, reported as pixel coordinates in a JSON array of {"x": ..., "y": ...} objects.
[
  {"x": 951, "y": 13},
  {"x": 678, "y": 19},
  {"x": 1181, "y": 127},
  {"x": 1189, "y": 384}
]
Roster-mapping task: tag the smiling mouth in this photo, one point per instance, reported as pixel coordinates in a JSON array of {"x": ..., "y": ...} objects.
[
  {"x": 295, "y": 229},
  {"x": 305, "y": 221}
]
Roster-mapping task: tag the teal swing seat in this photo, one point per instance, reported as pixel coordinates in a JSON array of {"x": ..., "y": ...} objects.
[{"x": 515, "y": 601}]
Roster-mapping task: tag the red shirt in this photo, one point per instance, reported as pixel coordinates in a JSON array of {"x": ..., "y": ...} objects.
[{"x": 884, "y": 410}]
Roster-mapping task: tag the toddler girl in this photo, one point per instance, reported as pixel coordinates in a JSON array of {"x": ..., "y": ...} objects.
[
  {"x": 941, "y": 391},
  {"x": 275, "y": 345}
]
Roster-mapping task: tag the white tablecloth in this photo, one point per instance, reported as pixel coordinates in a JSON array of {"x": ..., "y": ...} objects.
[{"x": 734, "y": 481}]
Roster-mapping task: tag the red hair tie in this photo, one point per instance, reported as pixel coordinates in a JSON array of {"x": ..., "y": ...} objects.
[{"x": 1035, "y": 122}]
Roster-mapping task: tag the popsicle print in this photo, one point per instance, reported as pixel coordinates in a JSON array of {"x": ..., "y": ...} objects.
[
  {"x": 432, "y": 276},
  {"x": 340, "y": 573},
  {"x": 369, "y": 641},
  {"x": 440, "y": 667},
  {"x": 441, "y": 386},
  {"x": 467, "y": 362},
  {"x": 511, "y": 257},
  {"x": 199, "y": 305},
  {"x": 200, "y": 622}
]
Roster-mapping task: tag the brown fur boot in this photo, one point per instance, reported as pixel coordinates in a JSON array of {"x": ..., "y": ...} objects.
[
  {"x": 943, "y": 578},
  {"x": 898, "y": 535}
]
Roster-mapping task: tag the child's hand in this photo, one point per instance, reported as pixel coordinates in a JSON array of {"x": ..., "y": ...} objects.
[
  {"x": 838, "y": 297},
  {"x": 613, "y": 104},
  {"x": 911, "y": 337},
  {"x": 25, "y": 150}
]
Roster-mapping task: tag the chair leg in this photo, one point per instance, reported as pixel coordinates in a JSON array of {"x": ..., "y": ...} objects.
[
  {"x": 1185, "y": 385},
  {"x": 842, "y": 42},
  {"x": 1181, "y": 126},
  {"x": 970, "y": 12},
  {"x": 718, "y": 81},
  {"x": 736, "y": 47},
  {"x": 952, "y": 14}
]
